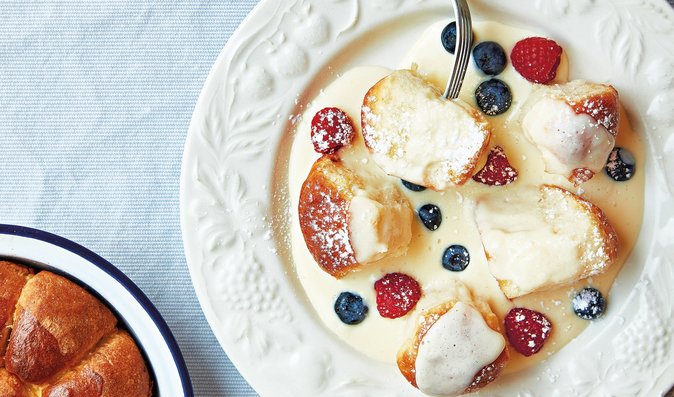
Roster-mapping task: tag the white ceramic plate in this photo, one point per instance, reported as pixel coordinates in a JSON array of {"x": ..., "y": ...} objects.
[
  {"x": 233, "y": 172},
  {"x": 134, "y": 310}
]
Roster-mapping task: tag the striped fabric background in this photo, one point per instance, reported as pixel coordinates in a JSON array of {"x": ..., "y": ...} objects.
[{"x": 95, "y": 100}]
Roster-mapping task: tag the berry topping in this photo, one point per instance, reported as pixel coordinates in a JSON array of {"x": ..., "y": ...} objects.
[
  {"x": 397, "y": 294},
  {"x": 456, "y": 258},
  {"x": 448, "y": 37},
  {"x": 497, "y": 171},
  {"x": 350, "y": 308},
  {"x": 412, "y": 186},
  {"x": 527, "y": 330},
  {"x": 331, "y": 129},
  {"x": 490, "y": 57},
  {"x": 580, "y": 176},
  {"x": 536, "y": 59},
  {"x": 588, "y": 304},
  {"x": 493, "y": 97},
  {"x": 430, "y": 216},
  {"x": 620, "y": 165}
]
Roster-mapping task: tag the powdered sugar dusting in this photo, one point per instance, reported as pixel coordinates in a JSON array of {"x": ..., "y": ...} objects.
[
  {"x": 596, "y": 256},
  {"x": 331, "y": 129},
  {"x": 572, "y": 143},
  {"x": 603, "y": 110},
  {"x": 598, "y": 101},
  {"x": 388, "y": 143},
  {"x": 324, "y": 221},
  {"x": 417, "y": 135},
  {"x": 580, "y": 176},
  {"x": 599, "y": 243}
]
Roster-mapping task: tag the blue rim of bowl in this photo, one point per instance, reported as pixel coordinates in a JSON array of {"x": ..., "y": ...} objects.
[{"x": 117, "y": 274}]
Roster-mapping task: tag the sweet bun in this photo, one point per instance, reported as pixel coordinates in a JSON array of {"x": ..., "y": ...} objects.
[
  {"x": 11, "y": 386},
  {"x": 574, "y": 126},
  {"x": 12, "y": 279},
  {"x": 457, "y": 346},
  {"x": 114, "y": 369},
  {"x": 57, "y": 321},
  {"x": 349, "y": 220},
  {"x": 539, "y": 238},
  {"x": 415, "y": 134},
  {"x": 64, "y": 341}
]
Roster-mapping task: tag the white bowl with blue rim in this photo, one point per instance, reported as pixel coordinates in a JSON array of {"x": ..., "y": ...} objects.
[{"x": 135, "y": 312}]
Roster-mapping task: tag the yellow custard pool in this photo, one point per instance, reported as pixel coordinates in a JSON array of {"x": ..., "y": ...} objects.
[{"x": 381, "y": 338}]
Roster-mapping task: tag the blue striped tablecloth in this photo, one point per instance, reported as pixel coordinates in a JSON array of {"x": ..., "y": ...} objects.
[{"x": 95, "y": 100}]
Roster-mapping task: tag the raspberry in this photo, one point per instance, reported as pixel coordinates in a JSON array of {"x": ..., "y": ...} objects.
[
  {"x": 527, "y": 330},
  {"x": 397, "y": 294},
  {"x": 331, "y": 129},
  {"x": 536, "y": 59},
  {"x": 497, "y": 171}
]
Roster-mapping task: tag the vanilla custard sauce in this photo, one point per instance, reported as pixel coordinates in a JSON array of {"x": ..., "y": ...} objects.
[{"x": 380, "y": 338}]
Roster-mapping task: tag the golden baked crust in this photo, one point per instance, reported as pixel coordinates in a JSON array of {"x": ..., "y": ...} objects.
[
  {"x": 324, "y": 215},
  {"x": 407, "y": 355},
  {"x": 382, "y": 217},
  {"x": 12, "y": 279},
  {"x": 599, "y": 101},
  {"x": 575, "y": 147},
  {"x": 56, "y": 323},
  {"x": 114, "y": 369},
  {"x": 11, "y": 386},
  {"x": 604, "y": 238},
  {"x": 599, "y": 248}
]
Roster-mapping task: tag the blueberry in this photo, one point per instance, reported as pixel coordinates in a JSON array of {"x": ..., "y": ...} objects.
[
  {"x": 588, "y": 304},
  {"x": 430, "y": 216},
  {"x": 490, "y": 57},
  {"x": 350, "y": 308},
  {"x": 456, "y": 258},
  {"x": 620, "y": 165},
  {"x": 413, "y": 187},
  {"x": 448, "y": 37},
  {"x": 493, "y": 97}
]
